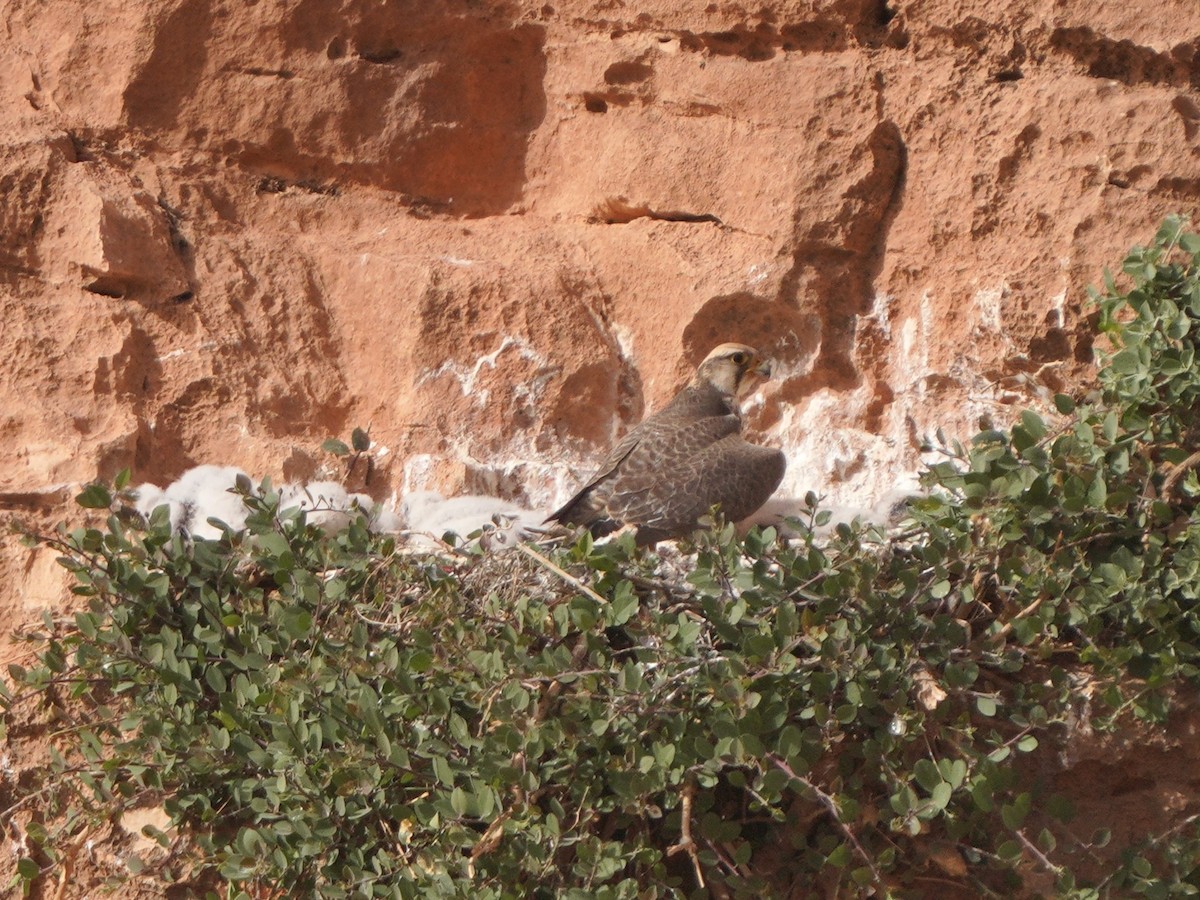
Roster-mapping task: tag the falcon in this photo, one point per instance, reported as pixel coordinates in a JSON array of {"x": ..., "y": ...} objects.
[{"x": 686, "y": 458}]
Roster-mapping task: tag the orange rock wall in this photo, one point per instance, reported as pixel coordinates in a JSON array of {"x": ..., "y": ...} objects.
[{"x": 232, "y": 229}]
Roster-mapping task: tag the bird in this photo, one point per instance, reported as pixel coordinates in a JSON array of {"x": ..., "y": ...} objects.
[
  {"x": 430, "y": 515},
  {"x": 207, "y": 492},
  {"x": 670, "y": 470},
  {"x": 211, "y": 492},
  {"x": 329, "y": 506}
]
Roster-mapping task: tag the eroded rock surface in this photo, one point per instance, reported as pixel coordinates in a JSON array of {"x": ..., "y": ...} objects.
[{"x": 232, "y": 230}]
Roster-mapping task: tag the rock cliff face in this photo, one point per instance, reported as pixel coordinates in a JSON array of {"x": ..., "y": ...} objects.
[{"x": 232, "y": 229}]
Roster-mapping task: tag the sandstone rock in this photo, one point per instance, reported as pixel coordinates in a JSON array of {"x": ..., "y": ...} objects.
[
  {"x": 229, "y": 231},
  {"x": 111, "y": 238},
  {"x": 301, "y": 219}
]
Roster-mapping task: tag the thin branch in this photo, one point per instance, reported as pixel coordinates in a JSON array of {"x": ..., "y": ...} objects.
[
  {"x": 561, "y": 676},
  {"x": 723, "y": 858},
  {"x": 1177, "y": 473},
  {"x": 578, "y": 653},
  {"x": 1037, "y": 854},
  {"x": 685, "y": 844},
  {"x": 1152, "y": 842},
  {"x": 490, "y": 839},
  {"x": 1008, "y": 626},
  {"x": 565, "y": 576},
  {"x": 831, "y": 807}
]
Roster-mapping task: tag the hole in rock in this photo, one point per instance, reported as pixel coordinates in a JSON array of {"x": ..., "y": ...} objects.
[
  {"x": 381, "y": 56},
  {"x": 627, "y": 73},
  {"x": 106, "y": 287}
]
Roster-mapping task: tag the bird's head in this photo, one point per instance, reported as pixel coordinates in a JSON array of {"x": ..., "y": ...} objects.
[{"x": 733, "y": 369}]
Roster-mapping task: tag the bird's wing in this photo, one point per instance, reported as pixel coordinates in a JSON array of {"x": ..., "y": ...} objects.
[
  {"x": 650, "y": 475},
  {"x": 638, "y": 462},
  {"x": 732, "y": 473},
  {"x": 566, "y": 512}
]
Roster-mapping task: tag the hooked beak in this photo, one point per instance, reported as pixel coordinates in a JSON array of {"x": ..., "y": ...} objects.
[{"x": 763, "y": 369}]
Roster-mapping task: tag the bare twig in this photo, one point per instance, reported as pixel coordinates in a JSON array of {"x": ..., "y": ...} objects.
[
  {"x": 831, "y": 807},
  {"x": 685, "y": 844},
  {"x": 1037, "y": 854},
  {"x": 490, "y": 839},
  {"x": 1008, "y": 626},
  {"x": 67, "y": 859},
  {"x": 1177, "y": 473},
  {"x": 563, "y": 676},
  {"x": 578, "y": 652},
  {"x": 565, "y": 576},
  {"x": 668, "y": 588}
]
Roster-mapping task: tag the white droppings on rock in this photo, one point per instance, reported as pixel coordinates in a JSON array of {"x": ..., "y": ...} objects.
[
  {"x": 989, "y": 303},
  {"x": 1057, "y": 307},
  {"x": 467, "y": 376},
  {"x": 624, "y": 338},
  {"x": 757, "y": 274},
  {"x": 417, "y": 473},
  {"x": 187, "y": 351},
  {"x": 881, "y": 310}
]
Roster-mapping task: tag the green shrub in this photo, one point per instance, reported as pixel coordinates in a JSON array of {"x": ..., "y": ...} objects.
[{"x": 331, "y": 715}]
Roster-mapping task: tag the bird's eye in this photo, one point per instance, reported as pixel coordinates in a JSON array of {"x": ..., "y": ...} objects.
[{"x": 739, "y": 358}]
